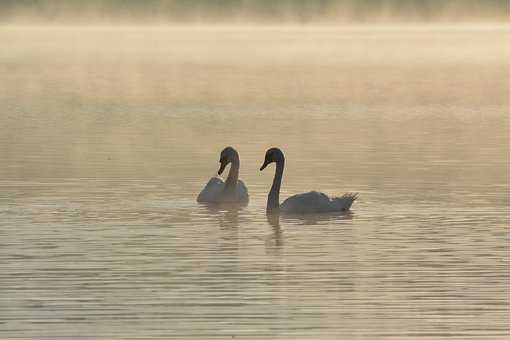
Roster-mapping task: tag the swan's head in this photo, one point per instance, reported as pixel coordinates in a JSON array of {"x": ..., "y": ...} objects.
[
  {"x": 226, "y": 157},
  {"x": 272, "y": 155}
]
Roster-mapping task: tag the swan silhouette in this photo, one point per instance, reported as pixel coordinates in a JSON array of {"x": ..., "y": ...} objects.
[
  {"x": 310, "y": 202},
  {"x": 233, "y": 189}
]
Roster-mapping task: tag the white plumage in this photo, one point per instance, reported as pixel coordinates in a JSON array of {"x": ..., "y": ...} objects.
[
  {"x": 233, "y": 189},
  {"x": 317, "y": 202},
  {"x": 214, "y": 189}
]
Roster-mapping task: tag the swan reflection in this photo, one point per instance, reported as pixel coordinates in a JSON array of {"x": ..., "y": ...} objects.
[{"x": 274, "y": 219}]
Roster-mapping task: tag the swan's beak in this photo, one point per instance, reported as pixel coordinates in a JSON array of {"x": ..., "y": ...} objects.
[
  {"x": 222, "y": 167},
  {"x": 266, "y": 162}
]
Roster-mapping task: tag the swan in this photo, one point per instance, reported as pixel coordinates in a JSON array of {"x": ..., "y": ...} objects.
[
  {"x": 310, "y": 202},
  {"x": 233, "y": 189}
]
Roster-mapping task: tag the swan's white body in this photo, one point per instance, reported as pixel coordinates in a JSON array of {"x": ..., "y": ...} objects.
[
  {"x": 232, "y": 190},
  {"x": 310, "y": 202},
  {"x": 317, "y": 202},
  {"x": 214, "y": 192}
]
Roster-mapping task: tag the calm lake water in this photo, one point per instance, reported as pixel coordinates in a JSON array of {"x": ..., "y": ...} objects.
[{"x": 108, "y": 134}]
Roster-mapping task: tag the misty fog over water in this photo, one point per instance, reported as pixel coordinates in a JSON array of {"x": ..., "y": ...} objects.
[{"x": 109, "y": 132}]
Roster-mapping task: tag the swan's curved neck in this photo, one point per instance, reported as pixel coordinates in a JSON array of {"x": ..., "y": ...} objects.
[
  {"x": 233, "y": 174},
  {"x": 273, "y": 199}
]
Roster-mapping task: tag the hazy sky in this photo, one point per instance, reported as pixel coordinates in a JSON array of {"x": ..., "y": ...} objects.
[{"x": 253, "y": 10}]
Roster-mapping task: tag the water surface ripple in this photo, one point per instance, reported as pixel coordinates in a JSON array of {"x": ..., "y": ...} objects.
[{"x": 106, "y": 140}]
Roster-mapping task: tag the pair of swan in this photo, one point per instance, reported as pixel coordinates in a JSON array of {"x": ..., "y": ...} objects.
[{"x": 233, "y": 190}]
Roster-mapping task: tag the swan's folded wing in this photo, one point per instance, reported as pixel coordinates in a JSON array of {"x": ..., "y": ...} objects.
[
  {"x": 211, "y": 191},
  {"x": 317, "y": 202},
  {"x": 242, "y": 192},
  {"x": 309, "y": 202}
]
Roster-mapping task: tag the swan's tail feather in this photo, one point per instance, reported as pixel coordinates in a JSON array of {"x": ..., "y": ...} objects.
[{"x": 345, "y": 201}]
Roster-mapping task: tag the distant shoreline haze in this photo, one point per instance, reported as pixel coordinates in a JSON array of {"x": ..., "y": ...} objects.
[{"x": 300, "y": 11}]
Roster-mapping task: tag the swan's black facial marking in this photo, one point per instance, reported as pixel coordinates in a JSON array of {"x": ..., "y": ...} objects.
[
  {"x": 224, "y": 157},
  {"x": 267, "y": 159},
  {"x": 223, "y": 164},
  {"x": 224, "y": 160},
  {"x": 273, "y": 155}
]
